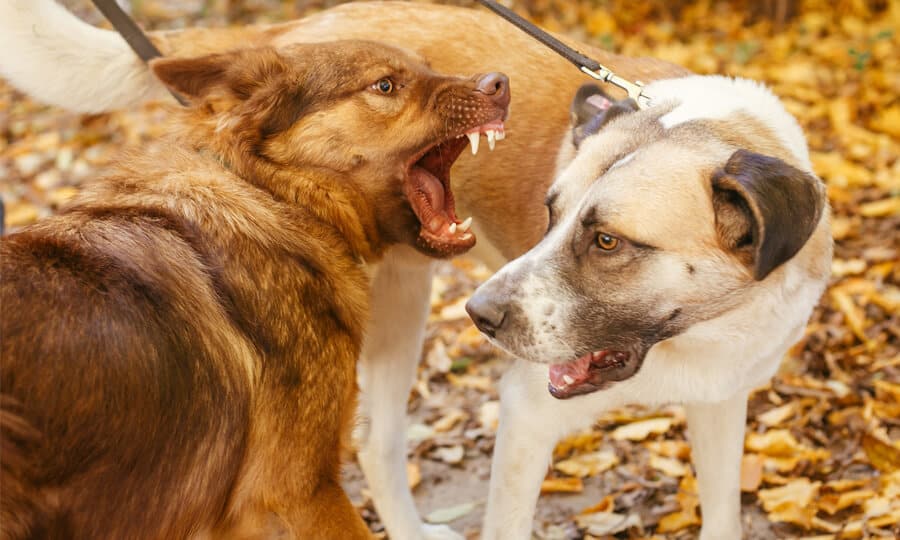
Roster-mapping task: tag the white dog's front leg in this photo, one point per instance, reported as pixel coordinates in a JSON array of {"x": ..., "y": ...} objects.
[
  {"x": 716, "y": 432},
  {"x": 387, "y": 369},
  {"x": 531, "y": 422}
]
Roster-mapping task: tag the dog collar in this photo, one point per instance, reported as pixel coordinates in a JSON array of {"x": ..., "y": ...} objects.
[{"x": 591, "y": 67}]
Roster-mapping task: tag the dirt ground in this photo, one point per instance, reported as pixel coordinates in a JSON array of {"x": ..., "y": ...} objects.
[{"x": 822, "y": 452}]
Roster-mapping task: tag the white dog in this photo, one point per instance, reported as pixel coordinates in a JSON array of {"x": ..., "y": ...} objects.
[{"x": 688, "y": 245}]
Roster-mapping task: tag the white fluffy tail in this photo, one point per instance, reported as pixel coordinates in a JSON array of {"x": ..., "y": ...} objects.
[{"x": 57, "y": 58}]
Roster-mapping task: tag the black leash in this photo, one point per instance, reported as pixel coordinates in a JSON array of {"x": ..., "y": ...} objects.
[
  {"x": 588, "y": 65},
  {"x": 132, "y": 34}
]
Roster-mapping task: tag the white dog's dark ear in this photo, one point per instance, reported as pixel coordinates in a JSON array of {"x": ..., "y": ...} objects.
[
  {"x": 592, "y": 108},
  {"x": 765, "y": 209}
]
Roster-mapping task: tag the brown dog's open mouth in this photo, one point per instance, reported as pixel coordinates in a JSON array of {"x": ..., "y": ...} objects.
[
  {"x": 592, "y": 372},
  {"x": 429, "y": 194}
]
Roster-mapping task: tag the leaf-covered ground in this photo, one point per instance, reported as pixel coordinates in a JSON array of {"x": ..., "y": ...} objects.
[{"x": 823, "y": 439}]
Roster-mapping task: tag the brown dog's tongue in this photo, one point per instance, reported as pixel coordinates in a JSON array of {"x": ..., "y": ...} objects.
[{"x": 431, "y": 187}]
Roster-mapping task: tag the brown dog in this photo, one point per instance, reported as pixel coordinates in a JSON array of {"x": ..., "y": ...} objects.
[
  {"x": 503, "y": 191},
  {"x": 179, "y": 346}
]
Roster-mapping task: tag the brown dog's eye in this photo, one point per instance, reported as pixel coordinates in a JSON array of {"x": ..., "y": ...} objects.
[
  {"x": 385, "y": 86},
  {"x": 606, "y": 242}
]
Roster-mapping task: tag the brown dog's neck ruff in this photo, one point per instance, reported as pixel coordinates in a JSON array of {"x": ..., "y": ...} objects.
[{"x": 320, "y": 192}]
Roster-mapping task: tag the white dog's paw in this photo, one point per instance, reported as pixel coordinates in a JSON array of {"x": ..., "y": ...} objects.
[{"x": 440, "y": 532}]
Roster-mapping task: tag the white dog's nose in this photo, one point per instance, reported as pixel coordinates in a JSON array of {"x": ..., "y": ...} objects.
[{"x": 487, "y": 312}]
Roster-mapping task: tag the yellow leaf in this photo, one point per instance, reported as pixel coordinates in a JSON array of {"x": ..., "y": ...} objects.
[
  {"x": 834, "y": 502},
  {"x": 751, "y": 472},
  {"x": 791, "y": 503},
  {"x": 607, "y": 504},
  {"x": 673, "y": 449},
  {"x": 413, "y": 474},
  {"x": 562, "y": 485},
  {"x": 478, "y": 382},
  {"x": 450, "y": 419},
  {"x": 888, "y": 121},
  {"x": 638, "y": 431},
  {"x": 883, "y": 208},
  {"x": 588, "y": 464},
  {"x": 778, "y": 415},
  {"x": 884, "y": 456},
  {"x": 668, "y": 466}
]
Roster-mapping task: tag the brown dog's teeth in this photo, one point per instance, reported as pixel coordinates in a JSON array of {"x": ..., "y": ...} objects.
[{"x": 474, "y": 137}]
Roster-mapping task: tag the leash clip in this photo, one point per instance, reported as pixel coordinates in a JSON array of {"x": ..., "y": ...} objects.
[{"x": 635, "y": 90}]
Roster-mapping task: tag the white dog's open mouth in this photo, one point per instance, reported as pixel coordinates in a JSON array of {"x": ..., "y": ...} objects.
[{"x": 591, "y": 372}]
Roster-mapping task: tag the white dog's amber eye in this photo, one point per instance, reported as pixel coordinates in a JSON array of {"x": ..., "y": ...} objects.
[
  {"x": 385, "y": 86},
  {"x": 606, "y": 242}
]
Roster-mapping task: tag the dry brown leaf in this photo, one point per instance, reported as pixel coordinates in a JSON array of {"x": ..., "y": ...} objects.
[
  {"x": 884, "y": 456},
  {"x": 670, "y": 448},
  {"x": 835, "y": 502},
  {"x": 562, "y": 485},
  {"x": 751, "y": 472},
  {"x": 413, "y": 474},
  {"x": 607, "y": 523},
  {"x": 687, "y": 516},
  {"x": 669, "y": 466},
  {"x": 778, "y": 415},
  {"x": 478, "y": 382},
  {"x": 791, "y": 503},
  {"x": 638, "y": 431},
  {"x": 449, "y": 420},
  {"x": 591, "y": 464},
  {"x": 882, "y": 208},
  {"x": 607, "y": 504},
  {"x": 489, "y": 415}
]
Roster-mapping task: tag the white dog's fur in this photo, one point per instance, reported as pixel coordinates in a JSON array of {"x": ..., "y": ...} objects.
[
  {"x": 710, "y": 368},
  {"x": 54, "y": 57}
]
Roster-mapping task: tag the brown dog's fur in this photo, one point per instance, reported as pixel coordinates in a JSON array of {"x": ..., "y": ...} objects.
[
  {"x": 492, "y": 187},
  {"x": 179, "y": 345}
]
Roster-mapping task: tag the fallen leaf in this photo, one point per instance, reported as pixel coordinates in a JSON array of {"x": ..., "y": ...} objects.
[
  {"x": 413, "y": 474},
  {"x": 884, "y": 456},
  {"x": 452, "y": 455},
  {"x": 588, "y": 464},
  {"x": 638, "y": 431},
  {"x": 489, "y": 415},
  {"x": 669, "y": 466},
  {"x": 751, "y": 472},
  {"x": 562, "y": 485},
  {"x": 449, "y": 420},
  {"x": 791, "y": 503},
  {"x": 478, "y": 382},
  {"x": 450, "y": 513},
  {"x": 606, "y": 523}
]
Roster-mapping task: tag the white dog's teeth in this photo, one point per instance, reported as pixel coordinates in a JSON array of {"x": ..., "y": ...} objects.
[
  {"x": 500, "y": 135},
  {"x": 491, "y": 134},
  {"x": 473, "y": 140},
  {"x": 568, "y": 380},
  {"x": 464, "y": 226},
  {"x": 466, "y": 236},
  {"x": 453, "y": 228}
]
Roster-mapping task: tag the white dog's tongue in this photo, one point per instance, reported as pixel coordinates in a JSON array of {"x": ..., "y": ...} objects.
[{"x": 574, "y": 372}]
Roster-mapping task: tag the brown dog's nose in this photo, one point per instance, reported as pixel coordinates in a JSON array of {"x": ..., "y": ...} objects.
[
  {"x": 487, "y": 314},
  {"x": 495, "y": 85}
]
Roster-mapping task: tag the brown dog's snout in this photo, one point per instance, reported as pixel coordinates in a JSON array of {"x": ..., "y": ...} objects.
[
  {"x": 496, "y": 86},
  {"x": 488, "y": 311}
]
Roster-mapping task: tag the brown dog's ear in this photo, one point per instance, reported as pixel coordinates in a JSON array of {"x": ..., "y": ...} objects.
[
  {"x": 237, "y": 72},
  {"x": 765, "y": 209},
  {"x": 592, "y": 108}
]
